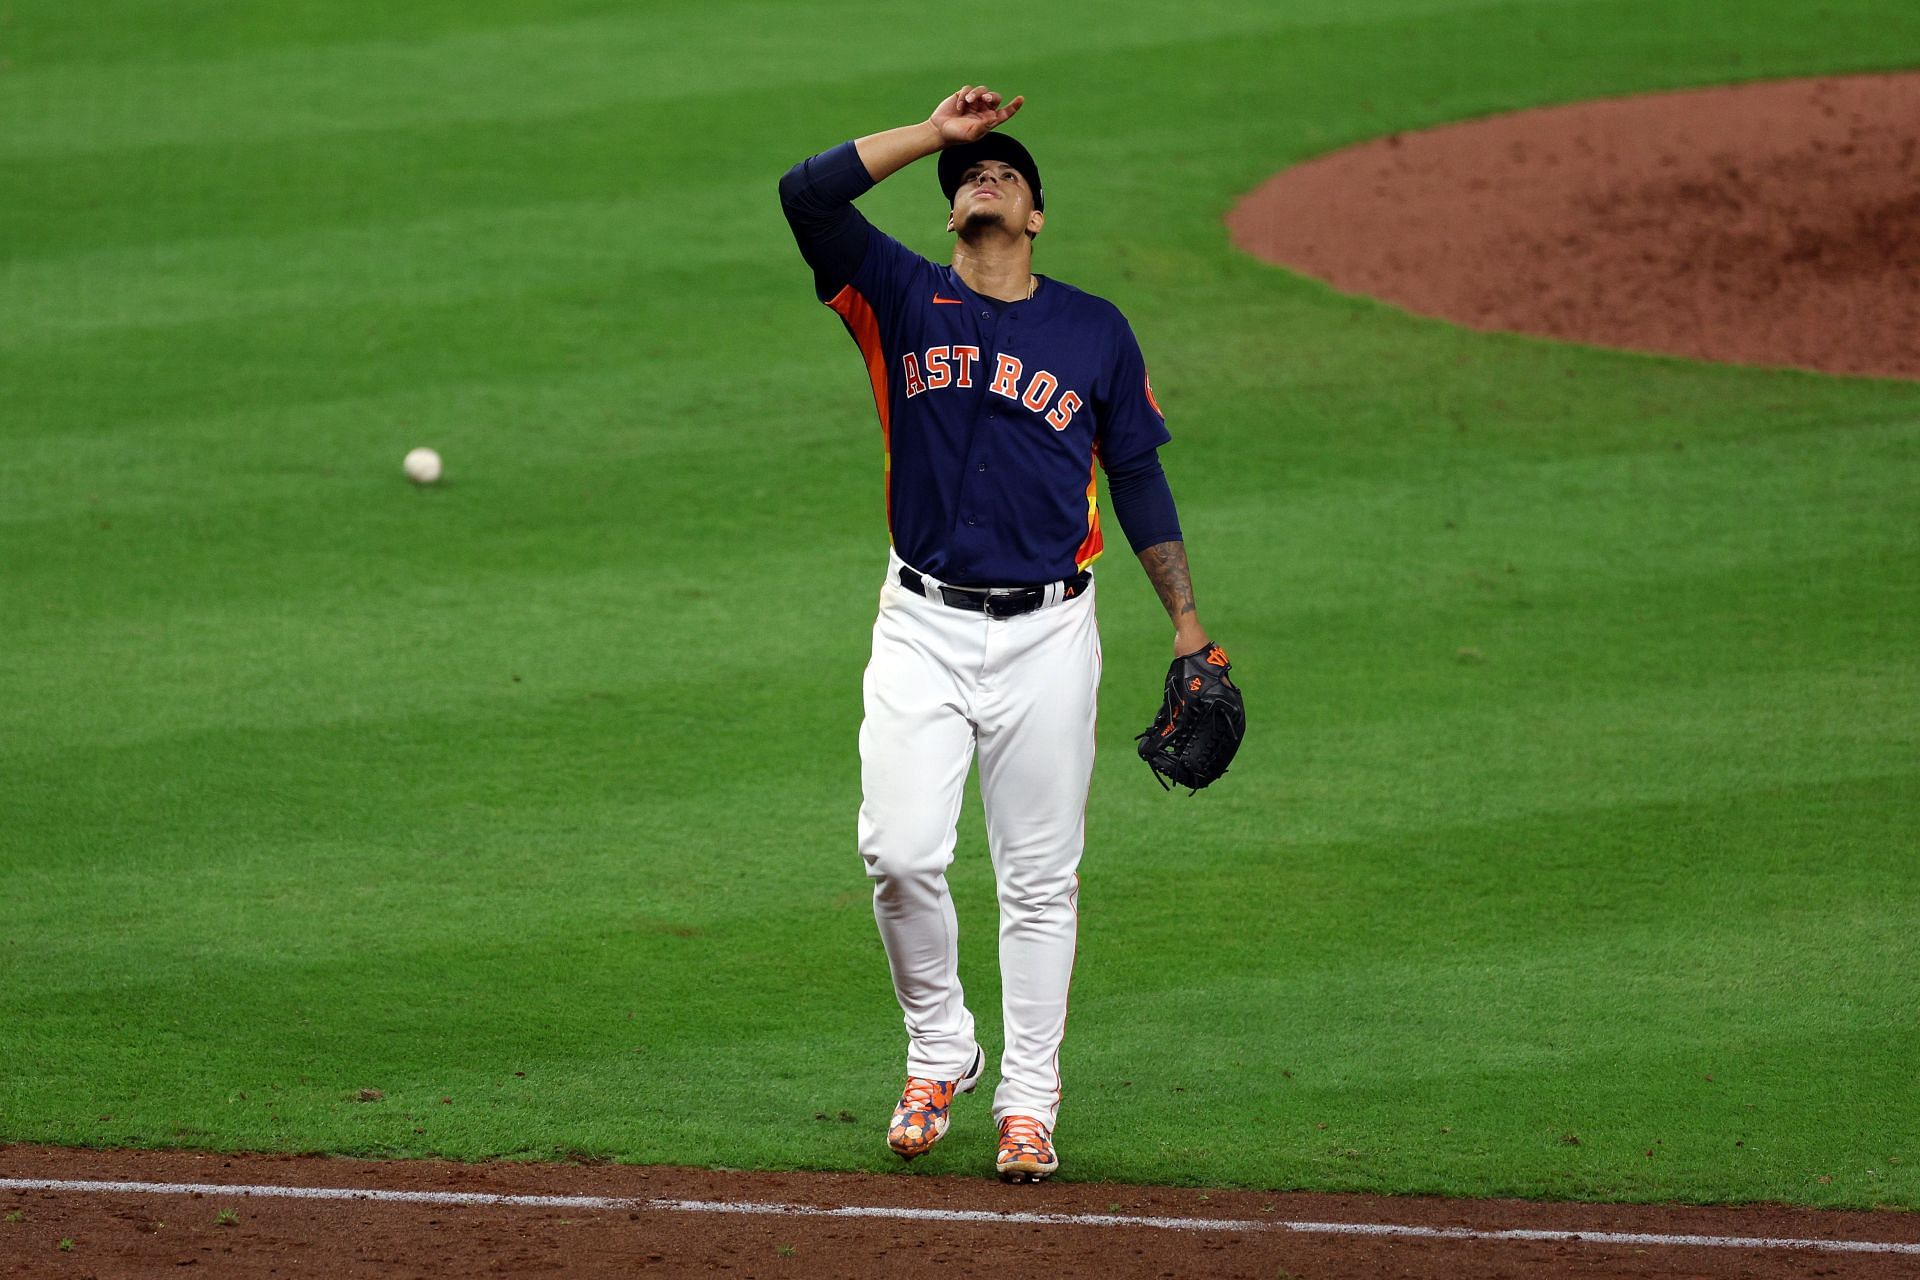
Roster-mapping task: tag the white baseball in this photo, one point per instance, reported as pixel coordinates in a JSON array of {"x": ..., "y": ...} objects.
[{"x": 422, "y": 466}]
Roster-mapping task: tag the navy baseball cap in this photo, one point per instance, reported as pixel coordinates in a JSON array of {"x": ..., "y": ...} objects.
[{"x": 955, "y": 161}]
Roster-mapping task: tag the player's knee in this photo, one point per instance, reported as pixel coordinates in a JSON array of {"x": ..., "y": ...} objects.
[{"x": 909, "y": 856}]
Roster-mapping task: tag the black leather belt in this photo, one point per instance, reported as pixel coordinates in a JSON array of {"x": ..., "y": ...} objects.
[{"x": 997, "y": 602}]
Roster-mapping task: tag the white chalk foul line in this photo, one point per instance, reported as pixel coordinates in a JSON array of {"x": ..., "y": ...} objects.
[{"x": 1011, "y": 1217}]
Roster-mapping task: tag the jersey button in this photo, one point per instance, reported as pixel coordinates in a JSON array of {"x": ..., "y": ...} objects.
[{"x": 983, "y": 466}]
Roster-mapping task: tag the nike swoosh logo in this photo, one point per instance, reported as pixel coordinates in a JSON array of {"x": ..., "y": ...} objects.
[{"x": 950, "y": 301}]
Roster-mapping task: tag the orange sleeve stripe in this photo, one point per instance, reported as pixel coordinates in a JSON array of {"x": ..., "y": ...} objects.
[
  {"x": 857, "y": 313},
  {"x": 1090, "y": 548}
]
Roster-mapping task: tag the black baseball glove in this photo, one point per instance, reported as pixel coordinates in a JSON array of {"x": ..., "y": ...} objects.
[{"x": 1201, "y": 721}]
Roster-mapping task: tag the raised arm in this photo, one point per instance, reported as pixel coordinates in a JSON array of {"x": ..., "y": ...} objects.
[
  {"x": 818, "y": 193},
  {"x": 966, "y": 116}
]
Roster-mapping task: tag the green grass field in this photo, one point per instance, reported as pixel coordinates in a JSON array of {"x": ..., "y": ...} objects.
[{"x": 1583, "y": 792}]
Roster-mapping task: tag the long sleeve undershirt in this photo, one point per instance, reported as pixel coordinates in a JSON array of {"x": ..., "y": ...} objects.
[{"x": 1143, "y": 502}]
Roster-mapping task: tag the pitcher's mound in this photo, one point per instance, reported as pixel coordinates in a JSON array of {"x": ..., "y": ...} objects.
[{"x": 1772, "y": 224}]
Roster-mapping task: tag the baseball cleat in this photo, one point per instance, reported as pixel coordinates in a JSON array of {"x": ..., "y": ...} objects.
[
  {"x": 921, "y": 1118},
  {"x": 1026, "y": 1150}
]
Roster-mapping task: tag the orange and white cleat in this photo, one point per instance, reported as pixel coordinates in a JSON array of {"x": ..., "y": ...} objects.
[
  {"x": 1026, "y": 1150},
  {"x": 921, "y": 1118}
]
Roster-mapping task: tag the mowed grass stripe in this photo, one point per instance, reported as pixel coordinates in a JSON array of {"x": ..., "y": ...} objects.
[
  {"x": 471, "y": 256},
  {"x": 217, "y": 366},
  {"x": 1386, "y": 778},
  {"x": 1605, "y": 856},
  {"x": 1755, "y": 839},
  {"x": 682, "y": 51},
  {"x": 124, "y": 33},
  {"x": 1523, "y": 751}
]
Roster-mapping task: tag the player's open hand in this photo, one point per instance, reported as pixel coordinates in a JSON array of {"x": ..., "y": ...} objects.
[{"x": 971, "y": 114}]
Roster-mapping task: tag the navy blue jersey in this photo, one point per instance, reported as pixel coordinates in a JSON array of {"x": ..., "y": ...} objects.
[{"x": 993, "y": 413}]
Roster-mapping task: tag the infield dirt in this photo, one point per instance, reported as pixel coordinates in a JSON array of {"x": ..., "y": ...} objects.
[
  {"x": 1769, "y": 224},
  {"x": 148, "y": 1233}
]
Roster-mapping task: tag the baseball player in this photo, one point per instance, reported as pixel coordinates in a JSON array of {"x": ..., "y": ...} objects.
[{"x": 998, "y": 392}]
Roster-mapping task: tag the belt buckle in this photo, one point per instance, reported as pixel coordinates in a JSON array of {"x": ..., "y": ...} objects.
[{"x": 1015, "y": 595}]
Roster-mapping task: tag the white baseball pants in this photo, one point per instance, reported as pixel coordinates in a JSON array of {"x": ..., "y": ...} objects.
[{"x": 944, "y": 683}]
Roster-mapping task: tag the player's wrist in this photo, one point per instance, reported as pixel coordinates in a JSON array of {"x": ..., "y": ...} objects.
[
  {"x": 933, "y": 137},
  {"x": 1189, "y": 639}
]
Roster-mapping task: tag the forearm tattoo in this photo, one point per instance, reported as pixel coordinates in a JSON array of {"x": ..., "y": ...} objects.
[{"x": 1166, "y": 566}]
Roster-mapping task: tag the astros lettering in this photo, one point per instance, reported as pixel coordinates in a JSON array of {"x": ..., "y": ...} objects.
[{"x": 952, "y": 366}]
